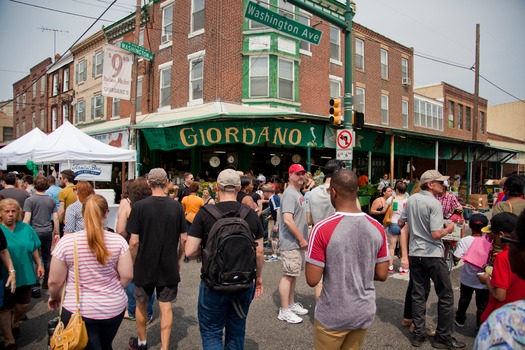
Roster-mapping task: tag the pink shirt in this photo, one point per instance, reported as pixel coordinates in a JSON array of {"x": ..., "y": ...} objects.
[{"x": 101, "y": 294}]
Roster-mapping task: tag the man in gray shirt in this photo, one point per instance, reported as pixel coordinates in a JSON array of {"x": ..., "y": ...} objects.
[
  {"x": 424, "y": 216},
  {"x": 293, "y": 235}
]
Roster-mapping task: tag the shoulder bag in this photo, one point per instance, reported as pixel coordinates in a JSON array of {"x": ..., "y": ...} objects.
[
  {"x": 478, "y": 252},
  {"x": 387, "y": 221},
  {"x": 74, "y": 336}
]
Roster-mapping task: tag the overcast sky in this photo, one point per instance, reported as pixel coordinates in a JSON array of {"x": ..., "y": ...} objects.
[{"x": 442, "y": 30}]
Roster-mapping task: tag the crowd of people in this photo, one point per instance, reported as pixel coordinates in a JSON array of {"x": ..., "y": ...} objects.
[{"x": 315, "y": 227}]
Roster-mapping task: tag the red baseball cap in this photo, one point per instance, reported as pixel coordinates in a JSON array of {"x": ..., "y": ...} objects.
[{"x": 296, "y": 168}]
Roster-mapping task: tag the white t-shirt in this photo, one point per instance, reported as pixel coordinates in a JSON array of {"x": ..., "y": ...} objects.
[
  {"x": 469, "y": 272},
  {"x": 398, "y": 205}
]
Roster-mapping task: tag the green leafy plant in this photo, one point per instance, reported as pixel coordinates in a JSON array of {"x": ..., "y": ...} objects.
[{"x": 367, "y": 190}]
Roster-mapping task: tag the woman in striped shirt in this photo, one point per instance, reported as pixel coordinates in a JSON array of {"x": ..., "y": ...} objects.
[{"x": 105, "y": 269}]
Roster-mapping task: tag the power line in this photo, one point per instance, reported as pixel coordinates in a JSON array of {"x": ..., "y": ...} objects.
[
  {"x": 60, "y": 11},
  {"x": 99, "y": 6}
]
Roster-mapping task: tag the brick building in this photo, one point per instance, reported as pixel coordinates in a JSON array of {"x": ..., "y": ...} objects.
[
  {"x": 60, "y": 92},
  {"x": 6, "y": 121}
]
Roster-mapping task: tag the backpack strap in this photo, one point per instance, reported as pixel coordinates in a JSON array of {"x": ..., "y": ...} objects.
[
  {"x": 214, "y": 211},
  {"x": 244, "y": 210}
]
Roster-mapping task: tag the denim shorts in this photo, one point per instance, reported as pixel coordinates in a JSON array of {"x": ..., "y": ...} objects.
[{"x": 394, "y": 229}]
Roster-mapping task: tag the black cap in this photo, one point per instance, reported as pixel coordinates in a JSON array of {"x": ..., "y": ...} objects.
[
  {"x": 502, "y": 222},
  {"x": 478, "y": 221}
]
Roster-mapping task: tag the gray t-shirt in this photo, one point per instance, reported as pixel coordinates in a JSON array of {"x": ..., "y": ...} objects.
[
  {"x": 41, "y": 207},
  {"x": 292, "y": 202},
  {"x": 424, "y": 214},
  {"x": 319, "y": 205},
  {"x": 15, "y": 193}
]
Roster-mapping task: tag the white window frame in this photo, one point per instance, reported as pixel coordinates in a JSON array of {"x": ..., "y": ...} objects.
[
  {"x": 97, "y": 106},
  {"x": 361, "y": 106},
  {"x": 336, "y": 83},
  {"x": 167, "y": 99},
  {"x": 138, "y": 100},
  {"x": 255, "y": 24},
  {"x": 33, "y": 120},
  {"x": 282, "y": 61},
  {"x": 54, "y": 118},
  {"x": 141, "y": 37},
  {"x": 335, "y": 42},
  {"x": 115, "y": 108},
  {"x": 252, "y": 76},
  {"x": 286, "y": 9},
  {"x": 34, "y": 89},
  {"x": 360, "y": 54},
  {"x": 384, "y": 109},
  {"x": 384, "y": 64},
  {"x": 24, "y": 127},
  {"x": 81, "y": 71},
  {"x": 18, "y": 130},
  {"x": 404, "y": 114},
  {"x": 42, "y": 85},
  {"x": 65, "y": 80},
  {"x": 404, "y": 68},
  {"x": 42, "y": 120},
  {"x": 98, "y": 62},
  {"x": 165, "y": 8},
  {"x": 24, "y": 100},
  {"x": 56, "y": 86},
  {"x": 194, "y": 59},
  {"x": 304, "y": 46},
  {"x": 459, "y": 107},
  {"x": 65, "y": 112},
  {"x": 194, "y": 12},
  {"x": 17, "y": 103},
  {"x": 80, "y": 112}
]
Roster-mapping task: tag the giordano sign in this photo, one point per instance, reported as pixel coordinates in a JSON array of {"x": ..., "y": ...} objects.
[{"x": 222, "y": 133}]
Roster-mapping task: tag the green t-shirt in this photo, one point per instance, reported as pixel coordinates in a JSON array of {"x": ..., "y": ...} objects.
[{"x": 21, "y": 244}]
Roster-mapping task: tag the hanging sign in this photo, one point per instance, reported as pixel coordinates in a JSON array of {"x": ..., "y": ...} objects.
[{"x": 116, "y": 73}]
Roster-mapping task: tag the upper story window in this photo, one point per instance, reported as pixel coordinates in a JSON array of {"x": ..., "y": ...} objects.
[
  {"x": 404, "y": 68},
  {"x": 17, "y": 103},
  {"x": 259, "y": 76},
  {"x": 460, "y": 116},
  {"x": 42, "y": 85},
  {"x": 7, "y": 133},
  {"x": 24, "y": 127},
  {"x": 384, "y": 64},
  {"x": 359, "y": 54},
  {"x": 384, "y": 109},
  {"x": 80, "y": 72},
  {"x": 42, "y": 120},
  {"x": 54, "y": 118},
  {"x": 335, "y": 44},
  {"x": 116, "y": 108},
  {"x": 97, "y": 107},
  {"x": 24, "y": 101},
  {"x": 197, "y": 15},
  {"x": 196, "y": 78},
  {"x": 65, "y": 80},
  {"x": 34, "y": 89},
  {"x": 359, "y": 100},
  {"x": 286, "y": 79},
  {"x": 141, "y": 37},
  {"x": 65, "y": 112},
  {"x": 404, "y": 113},
  {"x": 167, "y": 23},
  {"x": 33, "y": 120},
  {"x": 467, "y": 118},
  {"x": 165, "y": 87},
  {"x": 80, "y": 111},
  {"x": 428, "y": 115},
  {"x": 335, "y": 88},
  {"x": 255, "y": 24},
  {"x": 286, "y": 9},
  {"x": 450, "y": 114},
  {"x": 482, "y": 122},
  {"x": 56, "y": 86},
  {"x": 98, "y": 61},
  {"x": 304, "y": 18},
  {"x": 139, "y": 96}
]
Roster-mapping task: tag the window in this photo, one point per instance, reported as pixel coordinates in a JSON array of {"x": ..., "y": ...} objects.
[
  {"x": 23, "y": 128},
  {"x": 80, "y": 113},
  {"x": 417, "y": 114},
  {"x": 56, "y": 87},
  {"x": 7, "y": 133},
  {"x": 98, "y": 61},
  {"x": 429, "y": 115},
  {"x": 139, "y": 96},
  {"x": 97, "y": 107},
  {"x": 482, "y": 122},
  {"x": 404, "y": 68},
  {"x": 24, "y": 101},
  {"x": 42, "y": 120},
  {"x": 303, "y": 18},
  {"x": 65, "y": 80},
  {"x": 141, "y": 37},
  {"x": 259, "y": 76},
  {"x": 33, "y": 120},
  {"x": 54, "y": 118},
  {"x": 42, "y": 85},
  {"x": 286, "y": 79},
  {"x": 165, "y": 87},
  {"x": 116, "y": 107},
  {"x": 467, "y": 118},
  {"x": 384, "y": 109},
  {"x": 335, "y": 50},
  {"x": 450, "y": 114},
  {"x": 404, "y": 113},
  {"x": 34, "y": 89},
  {"x": 80, "y": 72},
  {"x": 256, "y": 25},
  {"x": 286, "y": 9},
  {"x": 196, "y": 78},
  {"x": 17, "y": 103},
  {"x": 197, "y": 15},
  {"x": 440, "y": 118},
  {"x": 65, "y": 112},
  {"x": 384, "y": 64},
  {"x": 18, "y": 130},
  {"x": 460, "y": 116},
  {"x": 359, "y": 54},
  {"x": 359, "y": 100},
  {"x": 335, "y": 88},
  {"x": 167, "y": 19}
]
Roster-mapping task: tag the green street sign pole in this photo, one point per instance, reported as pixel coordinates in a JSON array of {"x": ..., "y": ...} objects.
[{"x": 346, "y": 27}]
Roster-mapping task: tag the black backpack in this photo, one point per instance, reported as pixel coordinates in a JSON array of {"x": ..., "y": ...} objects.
[{"x": 228, "y": 258}]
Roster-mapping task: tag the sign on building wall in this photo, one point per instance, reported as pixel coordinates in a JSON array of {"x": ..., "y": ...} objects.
[
  {"x": 88, "y": 171},
  {"x": 116, "y": 139},
  {"x": 116, "y": 74}
]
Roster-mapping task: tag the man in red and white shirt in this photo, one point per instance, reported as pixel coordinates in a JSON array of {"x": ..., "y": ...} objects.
[
  {"x": 349, "y": 250},
  {"x": 449, "y": 202}
]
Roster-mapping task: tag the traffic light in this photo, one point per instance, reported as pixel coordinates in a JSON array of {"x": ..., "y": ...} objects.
[
  {"x": 358, "y": 119},
  {"x": 336, "y": 111}
]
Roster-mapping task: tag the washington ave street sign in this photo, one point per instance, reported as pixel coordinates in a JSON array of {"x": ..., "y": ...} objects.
[
  {"x": 276, "y": 21},
  {"x": 137, "y": 50}
]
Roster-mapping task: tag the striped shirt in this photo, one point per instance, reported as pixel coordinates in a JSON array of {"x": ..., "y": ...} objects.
[{"x": 101, "y": 294}]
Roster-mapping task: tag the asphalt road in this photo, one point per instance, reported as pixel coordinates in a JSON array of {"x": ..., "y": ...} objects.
[{"x": 264, "y": 330}]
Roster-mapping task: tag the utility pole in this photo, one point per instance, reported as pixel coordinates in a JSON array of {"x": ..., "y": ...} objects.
[
  {"x": 476, "y": 90},
  {"x": 133, "y": 111},
  {"x": 55, "y": 31}
]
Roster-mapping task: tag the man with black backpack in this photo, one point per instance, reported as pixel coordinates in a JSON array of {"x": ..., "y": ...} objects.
[{"x": 229, "y": 236}]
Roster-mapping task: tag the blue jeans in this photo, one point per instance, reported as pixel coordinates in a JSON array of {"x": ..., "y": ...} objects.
[
  {"x": 132, "y": 304},
  {"x": 218, "y": 311}
]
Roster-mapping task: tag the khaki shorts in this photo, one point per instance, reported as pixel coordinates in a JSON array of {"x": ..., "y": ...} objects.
[
  {"x": 325, "y": 339},
  {"x": 293, "y": 262}
]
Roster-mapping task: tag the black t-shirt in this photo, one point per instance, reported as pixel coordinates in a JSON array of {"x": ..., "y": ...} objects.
[
  {"x": 183, "y": 192},
  {"x": 3, "y": 245},
  {"x": 204, "y": 221},
  {"x": 158, "y": 221}
]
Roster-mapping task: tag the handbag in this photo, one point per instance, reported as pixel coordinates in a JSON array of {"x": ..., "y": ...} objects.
[
  {"x": 478, "y": 252},
  {"x": 387, "y": 221},
  {"x": 74, "y": 336}
]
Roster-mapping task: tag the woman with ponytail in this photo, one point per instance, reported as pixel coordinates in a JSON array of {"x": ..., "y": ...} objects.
[{"x": 105, "y": 269}]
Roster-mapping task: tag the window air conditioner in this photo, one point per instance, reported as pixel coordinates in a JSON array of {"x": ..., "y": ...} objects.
[
  {"x": 406, "y": 82},
  {"x": 166, "y": 38}
]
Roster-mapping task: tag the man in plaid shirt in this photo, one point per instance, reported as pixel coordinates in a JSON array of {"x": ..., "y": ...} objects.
[{"x": 448, "y": 202}]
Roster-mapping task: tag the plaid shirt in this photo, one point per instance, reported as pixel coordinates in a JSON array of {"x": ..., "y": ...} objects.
[{"x": 448, "y": 202}]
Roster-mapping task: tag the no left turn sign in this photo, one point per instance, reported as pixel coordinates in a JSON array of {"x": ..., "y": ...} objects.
[{"x": 345, "y": 139}]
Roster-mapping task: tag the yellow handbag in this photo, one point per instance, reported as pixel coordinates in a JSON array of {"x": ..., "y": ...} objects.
[
  {"x": 74, "y": 336},
  {"x": 388, "y": 216}
]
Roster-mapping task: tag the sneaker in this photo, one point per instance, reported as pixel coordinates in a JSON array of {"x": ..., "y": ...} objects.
[
  {"x": 289, "y": 316},
  {"x": 134, "y": 344},
  {"x": 449, "y": 343},
  {"x": 150, "y": 319},
  {"x": 298, "y": 309},
  {"x": 459, "y": 324},
  {"x": 272, "y": 258},
  {"x": 418, "y": 341},
  {"x": 403, "y": 271},
  {"x": 391, "y": 269},
  {"x": 36, "y": 293}
]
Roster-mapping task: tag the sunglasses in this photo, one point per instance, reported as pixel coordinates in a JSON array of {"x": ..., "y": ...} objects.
[{"x": 509, "y": 239}]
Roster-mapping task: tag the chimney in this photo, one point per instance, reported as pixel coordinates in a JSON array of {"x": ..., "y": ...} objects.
[{"x": 57, "y": 57}]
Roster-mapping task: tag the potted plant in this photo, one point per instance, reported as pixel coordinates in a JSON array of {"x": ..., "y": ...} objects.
[{"x": 365, "y": 194}]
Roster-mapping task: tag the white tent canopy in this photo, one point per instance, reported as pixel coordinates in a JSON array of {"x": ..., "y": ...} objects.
[
  {"x": 67, "y": 143},
  {"x": 16, "y": 152}
]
